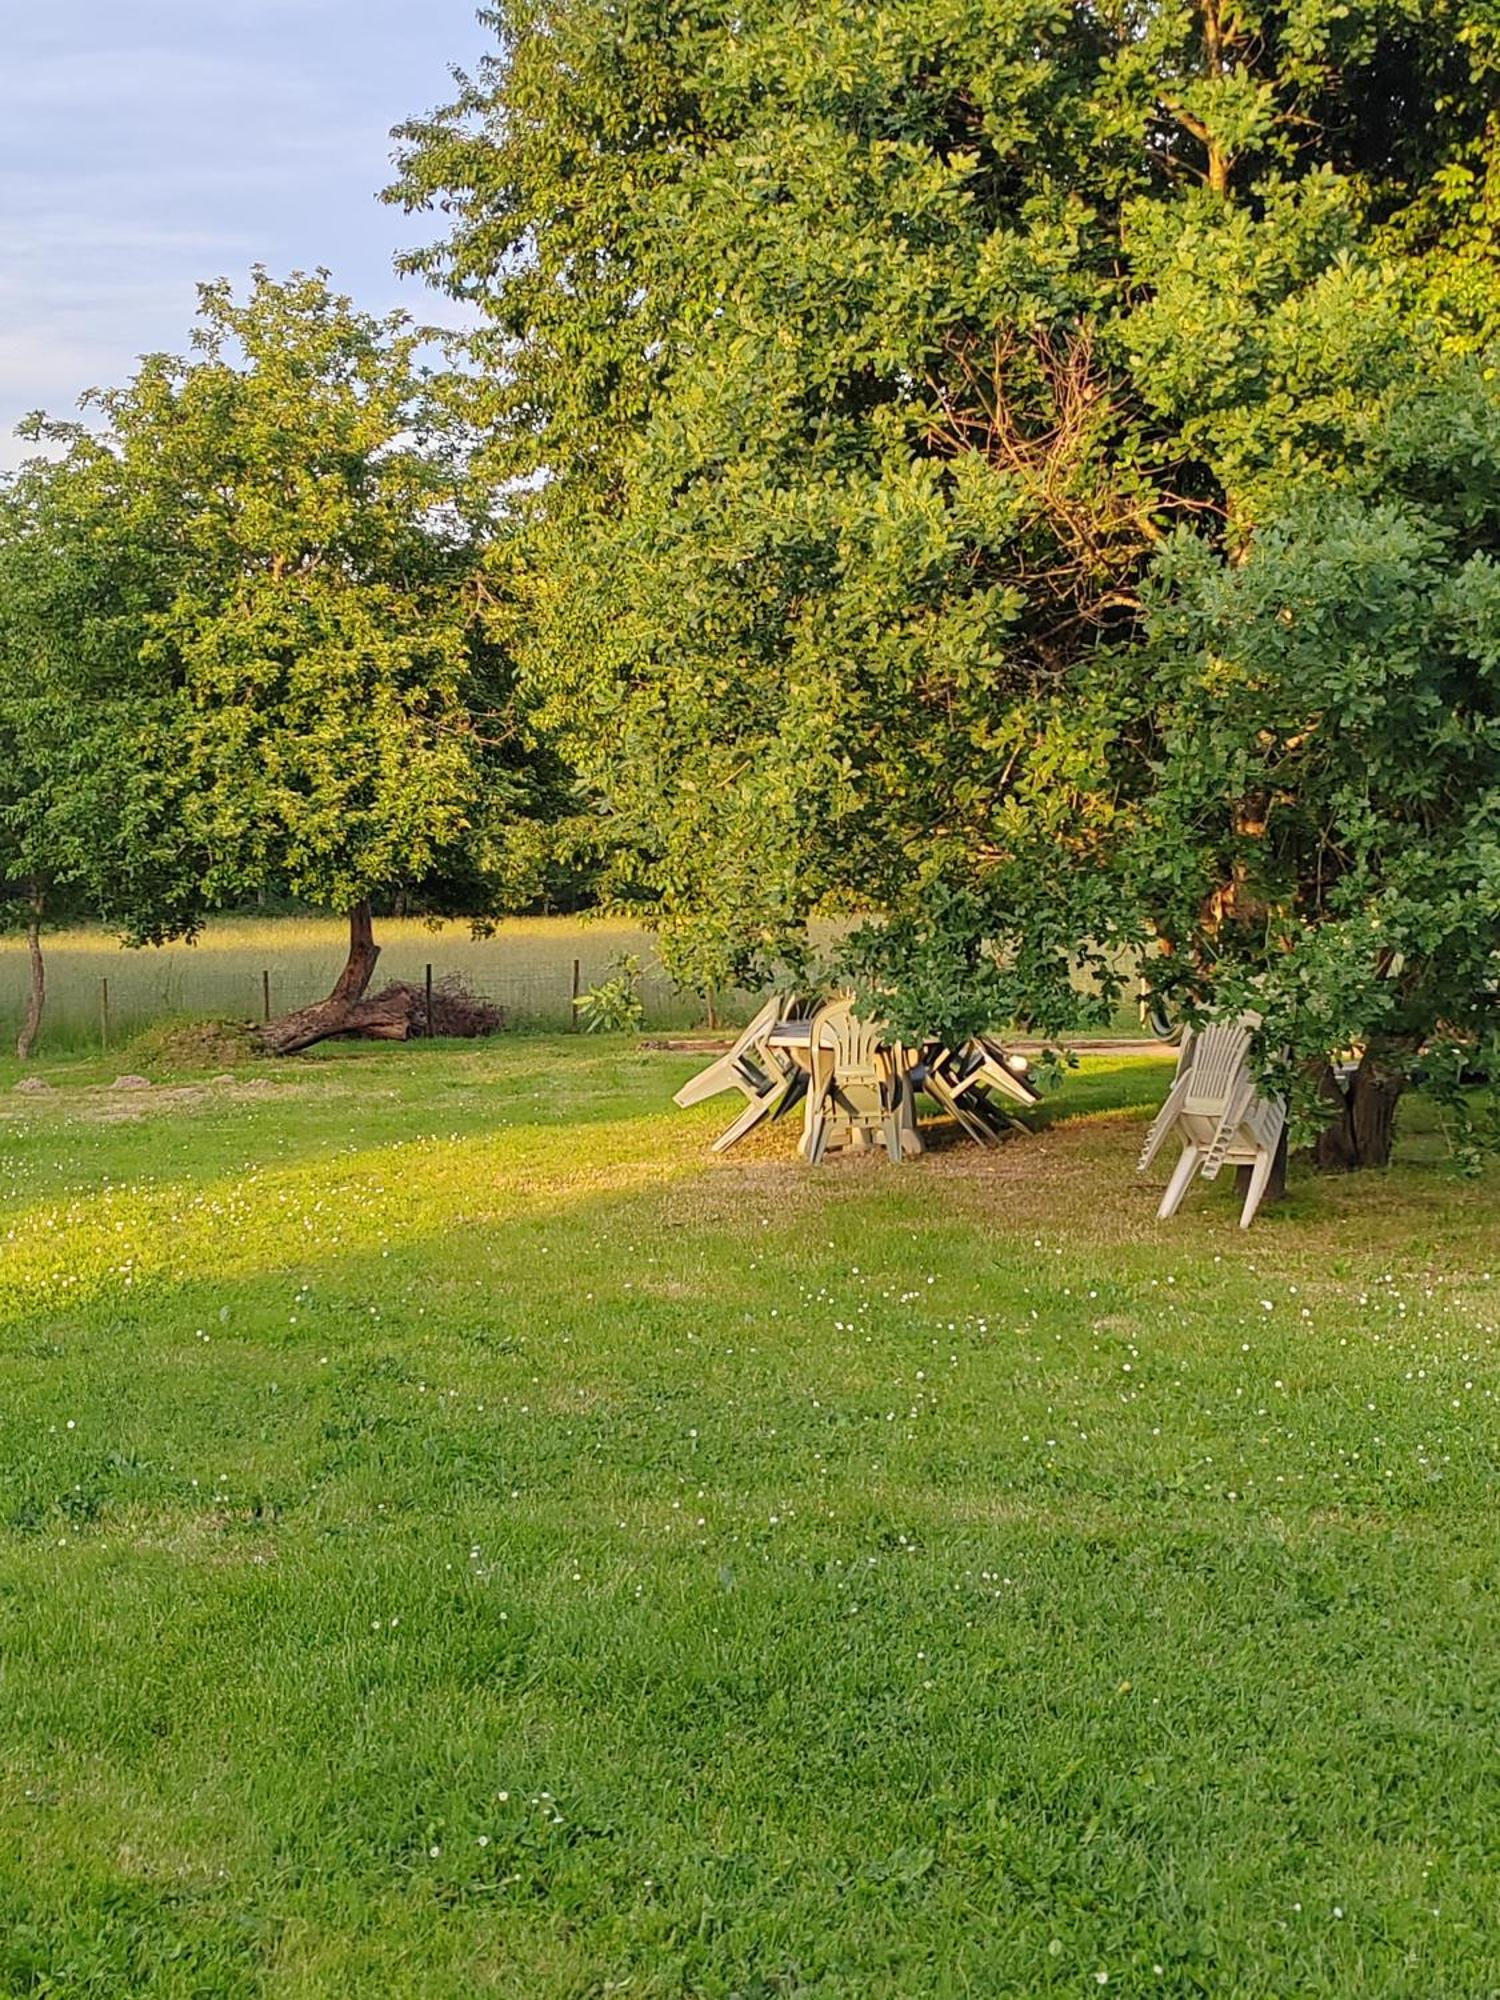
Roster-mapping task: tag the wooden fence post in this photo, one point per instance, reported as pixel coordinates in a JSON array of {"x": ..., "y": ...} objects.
[
  {"x": 265, "y": 994},
  {"x": 577, "y": 992},
  {"x": 428, "y": 1017}
]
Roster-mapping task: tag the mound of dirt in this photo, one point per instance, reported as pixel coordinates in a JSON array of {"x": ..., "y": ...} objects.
[{"x": 191, "y": 1045}]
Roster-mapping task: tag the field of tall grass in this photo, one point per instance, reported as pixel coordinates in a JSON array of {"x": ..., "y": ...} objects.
[{"x": 527, "y": 966}]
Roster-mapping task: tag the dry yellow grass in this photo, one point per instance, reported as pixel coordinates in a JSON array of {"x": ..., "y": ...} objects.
[{"x": 527, "y": 966}]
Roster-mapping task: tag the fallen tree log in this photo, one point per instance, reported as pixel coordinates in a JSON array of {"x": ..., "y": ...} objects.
[
  {"x": 384, "y": 1017},
  {"x": 398, "y": 1013}
]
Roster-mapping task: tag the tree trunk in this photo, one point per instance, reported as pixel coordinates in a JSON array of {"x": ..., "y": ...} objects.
[
  {"x": 359, "y": 967},
  {"x": 1373, "y": 1096},
  {"x": 1362, "y": 1131},
  {"x": 345, "y": 1011},
  {"x": 1334, "y": 1148},
  {"x": 36, "y": 998}
]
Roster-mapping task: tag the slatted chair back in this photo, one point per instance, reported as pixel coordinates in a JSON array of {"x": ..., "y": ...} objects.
[
  {"x": 855, "y": 1045},
  {"x": 1215, "y": 1066},
  {"x": 853, "y": 1083},
  {"x": 821, "y": 1054}
]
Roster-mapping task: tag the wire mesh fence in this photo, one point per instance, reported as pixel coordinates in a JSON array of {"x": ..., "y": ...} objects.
[{"x": 533, "y": 969}]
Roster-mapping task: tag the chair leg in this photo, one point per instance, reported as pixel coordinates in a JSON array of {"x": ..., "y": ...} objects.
[
  {"x": 1177, "y": 1186},
  {"x": 890, "y": 1126},
  {"x": 974, "y": 1113},
  {"x": 815, "y": 1121},
  {"x": 1260, "y": 1177},
  {"x": 963, "y": 1115},
  {"x": 750, "y": 1117}
]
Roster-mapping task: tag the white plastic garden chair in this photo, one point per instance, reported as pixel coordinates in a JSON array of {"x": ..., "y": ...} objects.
[
  {"x": 764, "y": 1077},
  {"x": 1218, "y": 1114},
  {"x": 961, "y": 1082},
  {"x": 857, "y": 1089}
]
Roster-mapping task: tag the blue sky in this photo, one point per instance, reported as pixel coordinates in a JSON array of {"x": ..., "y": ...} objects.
[{"x": 147, "y": 144}]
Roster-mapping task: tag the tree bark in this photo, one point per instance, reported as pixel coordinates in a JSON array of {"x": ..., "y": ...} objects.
[
  {"x": 1362, "y": 1130},
  {"x": 345, "y": 1011},
  {"x": 1333, "y": 1149},
  {"x": 36, "y": 998},
  {"x": 1373, "y": 1097},
  {"x": 359, "y": 967}
]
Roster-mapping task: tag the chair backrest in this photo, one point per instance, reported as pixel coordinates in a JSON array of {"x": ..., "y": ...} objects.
[
  {"x": 1218, "y": 1055},
  {"x": 853, "y": 1047},
  {"x": 855, "y": 1043}
]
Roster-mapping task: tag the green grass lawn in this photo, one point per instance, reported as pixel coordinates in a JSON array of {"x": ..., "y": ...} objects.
[{"x": 458, "y": 1538}]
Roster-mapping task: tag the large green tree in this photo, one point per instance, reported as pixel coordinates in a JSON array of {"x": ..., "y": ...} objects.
[
  {"x": 1320, "y": 839},
  {"x": 346, "y": 728},
  {"x": 856, "y": 368},
  {"x": 86, "y": 724}
]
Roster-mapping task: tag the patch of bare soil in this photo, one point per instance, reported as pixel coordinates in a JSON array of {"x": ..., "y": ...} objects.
[
  {"x": 1082, "y": 1171},
  {"x": 102, "y": 1104}
]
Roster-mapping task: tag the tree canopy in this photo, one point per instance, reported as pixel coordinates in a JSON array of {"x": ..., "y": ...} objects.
[
  {"x": 890, "y": 389},
  {"x": 292, "y": 505},
  {"x": 85, "y": 721},
  {"x": 320, "y": 613},
  {"x": 1321, "y": 840}
]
